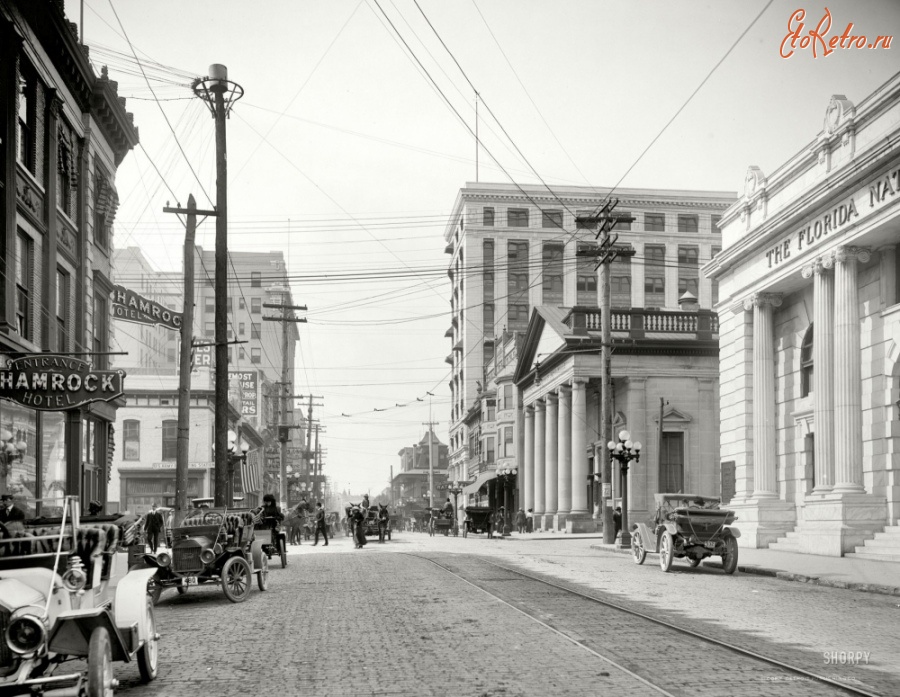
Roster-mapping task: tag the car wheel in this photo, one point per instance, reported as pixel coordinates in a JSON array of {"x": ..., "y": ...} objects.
[
  {"x": 730, "y": 558},
  {"x": 262, "y": 574},
  {"x": 389, "y": 535},
  {"x": 283, "y": 552},
  {"x": 181, "y": 587},
  {"x": 693, "y": 562},
  {"x": 154, "y": 589},
  {"x": 100, "y": 671},
  {"x": 638, "y": 553},
  {"x": 236, "y": 579},
  {"x": 148, "y": 654},
  {"x": 666, "y": 551}
]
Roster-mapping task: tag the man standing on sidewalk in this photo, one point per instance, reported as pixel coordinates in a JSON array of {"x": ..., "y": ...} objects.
[
  {"x": 153, "y": 525},
  {"x": 320, "y": 524}
]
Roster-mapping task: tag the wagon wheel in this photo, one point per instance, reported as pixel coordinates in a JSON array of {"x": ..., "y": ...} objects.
[
  {"x": 638, "y": 553},
  {"x": 262, "y": 573},
  {"x": 154, "y": 589},
  {"x": 236, "y": 579},
  {"x": 100, "y": 670},
  {"x": 282, "y": 552},
  {"x": 730, "y": 558},
  {"x": 148, "y": 654},
  {"x": 666, "y": 551},
  {"x": 389, "y": 535}
]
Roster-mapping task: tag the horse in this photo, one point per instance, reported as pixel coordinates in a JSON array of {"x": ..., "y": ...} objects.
[
  {"x": 384, "y": 520},
  {"x": 293, "y": 523}
]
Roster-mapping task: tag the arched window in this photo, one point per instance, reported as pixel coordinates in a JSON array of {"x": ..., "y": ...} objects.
[{"x": 806, "y": 363}]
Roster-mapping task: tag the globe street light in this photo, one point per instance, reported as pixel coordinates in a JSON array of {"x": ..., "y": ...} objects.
[
  {"x": 507, "y": 479},
  {"x": 625, "y": 451},
  {"x": 232, "y": 458},
  {"x": 456, "y": 490}
]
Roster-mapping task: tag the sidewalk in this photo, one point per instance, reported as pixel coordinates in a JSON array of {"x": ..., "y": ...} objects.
[{"x": 838, "y": 572}]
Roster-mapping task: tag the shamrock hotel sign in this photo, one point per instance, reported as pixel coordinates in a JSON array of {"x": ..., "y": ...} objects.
[
  {"x": 58, "y": 383},
  {"x": 131, "y": 307}
]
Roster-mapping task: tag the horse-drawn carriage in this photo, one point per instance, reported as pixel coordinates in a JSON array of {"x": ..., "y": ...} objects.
[
  {"x": 478, "y": 519},
  {"x": 441, "y": 522}
]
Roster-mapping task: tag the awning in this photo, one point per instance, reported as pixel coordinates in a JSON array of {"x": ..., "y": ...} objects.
[{"x": 479, "y": 481}]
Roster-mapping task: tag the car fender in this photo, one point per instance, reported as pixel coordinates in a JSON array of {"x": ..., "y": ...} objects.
[
  {"x": 256, "y": 554},
  {"x": 734, "y": 532},
  {"x": 644, "y": 532},
  {"x": 131, "y": 603},
  {"x": 71, "y": 634}
]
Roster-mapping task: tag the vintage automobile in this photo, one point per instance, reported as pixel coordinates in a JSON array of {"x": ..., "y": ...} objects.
[
  {"x": 56, "y": 604},
  {"x": 690, "y": 527},
  {"x": 212, "y": 545},
  {"x": 272, "y": 538},
  {"x": 478, "y": 519}
]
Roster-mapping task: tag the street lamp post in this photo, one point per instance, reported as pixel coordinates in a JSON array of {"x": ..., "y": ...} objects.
[
  {"x": 456, "y": 490},
  {"x": 232, "y": 458},
  {"x": 625, "y": 451},
  {"x": 507, "y": 478}
]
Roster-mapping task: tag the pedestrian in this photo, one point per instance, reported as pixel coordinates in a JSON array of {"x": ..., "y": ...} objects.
[
  {"x": 520, "y": 521},
  {"x": 320, "y": 524},
  {"x": 95, "y": 508},
  {"x": 500, "y": 521},
  {"x": 365, "y": 503},
  {"x": 12, "y": 516},
  {"x": 154, "y": 524},
  {"x": 529, "y": 520},
  {"x": 357, "y": 521},
  {"x": 617, "y": 522},
  {"x": 295, "y": 528}
]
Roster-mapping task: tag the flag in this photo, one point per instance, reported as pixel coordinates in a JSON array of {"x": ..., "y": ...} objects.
[{"x": 251, "y": 472}]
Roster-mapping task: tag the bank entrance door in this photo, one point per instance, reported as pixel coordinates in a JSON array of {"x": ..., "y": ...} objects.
[{"x": 671, "y": 463}]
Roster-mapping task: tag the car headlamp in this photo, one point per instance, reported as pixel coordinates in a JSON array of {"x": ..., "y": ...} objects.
[
  {"x": 164, "y": 559},
  {"x": 207, "y": 556},
  {"x": 25, "y": 634},
  {"x": 74, "y": 579}
]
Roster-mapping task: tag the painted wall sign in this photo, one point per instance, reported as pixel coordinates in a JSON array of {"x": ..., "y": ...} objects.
[
  {"x": 57, "y": 383},
  {"x": 249, "y": 387},
  {"x": 170, "y": 465},
  {"x": 131, "y": 307}
]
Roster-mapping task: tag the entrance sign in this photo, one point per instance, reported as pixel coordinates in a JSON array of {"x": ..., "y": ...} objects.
[
  {"x": 131, "y": 307},
  {"x": 57, "y": 383}
]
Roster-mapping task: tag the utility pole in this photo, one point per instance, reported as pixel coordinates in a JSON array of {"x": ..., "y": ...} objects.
[
  {"x": 431, "y": 424},
  {"x": 220, "y": 93},
  {"x": 182, "y": 451},
  {"x": 287, "y": 316},
  {"x": 605, "y": 254}
]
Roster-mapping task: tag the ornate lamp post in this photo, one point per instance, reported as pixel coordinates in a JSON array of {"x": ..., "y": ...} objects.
[
  {"x": 625, "y": 451},
  {"x": 507, "y": 479},
  {"x": 233, "y": 457},
  {"x": 456, "y": 490}
]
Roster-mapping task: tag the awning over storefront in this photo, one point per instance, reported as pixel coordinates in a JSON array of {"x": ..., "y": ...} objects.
[{"x": 479, "y": 481}]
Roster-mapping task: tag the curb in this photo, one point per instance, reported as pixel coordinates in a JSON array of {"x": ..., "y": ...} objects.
[{"x": 790, "y": 576}]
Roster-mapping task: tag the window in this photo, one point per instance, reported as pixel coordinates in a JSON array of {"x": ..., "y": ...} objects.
[
  {"x": 209, "y": 328},
  {"x": 131, "y": 437},
  {"x": 806, "y": 363},
  {"x": 101, "y": 330},
  {"x": 256, "y": 279},
  {"x": 25, "y": 123},
  {"x": 241, "y": 353},
  {"x": 585, "y": 278},
  {"x": 488, "y": 319},
  {"x": 517, "y": 285},
  {"x": 582, "y": 225},
  {"x": 552, "y": 283},
  {"x": 241, "y": 304},
  {"x": 488, "y": 219},
  {"x": 671, "y": 464},
  {"x": 489, "y": 452},
  {"x": 620, "y": 282},
  {"x": 62, "y": 311},
  {"x": 169, "y": 439},
  {"x": 654, "y": 276},
  {"x": 688, "y": 223},
  {"x": 242, "y": 329},
  {"x": 255, "y": 330},
  {"x": 507, "y": 397},
  {"x": 256, "y": 305},
  {"x": 714, "y": 223},
  {"x": 508, "y": 450},
  {"x": 209, "y": 303},
  {"x": 552, "y": 219},
  {"x": 518, "y": 314},
  {"x": 622, "y": 224},
  {"x": 688, "y": 271},
  {"x": 490, "y": 410},
  {"x": 255, "y": 355},
  {"x": 654, "y": 222},
  {"x": 24, "y": 284},
  {"x": 517, "y": 217}
]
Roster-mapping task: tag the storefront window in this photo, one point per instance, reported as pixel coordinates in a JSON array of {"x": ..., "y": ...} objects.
[
  {"x": 18, "y": 458},
  {"x": 53, "y": 462}
]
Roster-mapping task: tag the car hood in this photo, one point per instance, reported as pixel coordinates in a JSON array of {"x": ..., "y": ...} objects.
[{"x": 15, "y": 594}]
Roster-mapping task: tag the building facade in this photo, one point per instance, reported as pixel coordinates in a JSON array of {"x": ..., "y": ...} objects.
[
  {"x": 810, "y": 327},
  {"x": 63, "y": 133},
  {"x": 411, "y": 484}
]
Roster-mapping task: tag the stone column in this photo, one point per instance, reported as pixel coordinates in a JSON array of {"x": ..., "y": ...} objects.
[
  {"x": 765, "y": 485},
  {"x": 539, "y": 454},
  {"x": 579, "y": 447},
  {"x": 551, "y": 457},
  {"x": 823, "y": 370},
  {"x": 564, "y": 473},
  {"x": 847, "y": 380},
  {"x": 528, "y": 459}
]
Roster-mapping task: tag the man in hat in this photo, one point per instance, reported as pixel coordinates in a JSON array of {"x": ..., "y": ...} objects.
[
  {"x": 153, "y": 526},
  {"x": 320, "y": 524},
  {"x": 11, "y": 516}
]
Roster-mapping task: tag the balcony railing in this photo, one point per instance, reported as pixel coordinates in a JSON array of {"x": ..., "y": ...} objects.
[{"x": 638, "y": 323}]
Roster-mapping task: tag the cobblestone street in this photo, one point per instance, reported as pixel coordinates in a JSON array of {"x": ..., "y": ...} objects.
[{"x": 387, "y": 621}]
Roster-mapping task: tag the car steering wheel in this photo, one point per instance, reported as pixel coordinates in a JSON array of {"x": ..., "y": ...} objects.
[{"x": 4, "y": 532}]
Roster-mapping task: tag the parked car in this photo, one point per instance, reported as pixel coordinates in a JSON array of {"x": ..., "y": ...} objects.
[
  {"x": 690, "y": 527},
  {"x": 212, "y": 545},
  {"x": 56, "y": 605}
]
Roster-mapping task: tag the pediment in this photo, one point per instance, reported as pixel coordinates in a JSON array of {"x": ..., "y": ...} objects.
[{"x": 671, "y": 415}]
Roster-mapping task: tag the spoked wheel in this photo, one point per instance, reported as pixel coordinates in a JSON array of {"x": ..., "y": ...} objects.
[
  {"x": 282, "y": 552},
  {"x": 730, "y": 558},
  {"x": 236, "y": 579},
  {"x": 666, "y": 551},
  {"x": 100, "y": 671},
  {"x": 182, "y": 587},
  {"x": 262, "y": 574},
  {"x": 148, "y": 654},
  {"x": 154, "y": 589},
  {"x": 638, "y": 553},
  {"x": 693, "y": 562}
]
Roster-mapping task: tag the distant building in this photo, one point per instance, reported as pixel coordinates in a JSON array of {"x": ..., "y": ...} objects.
[
  {"x": 64, "y": 131},
  {"x": 411, "y": 483}
]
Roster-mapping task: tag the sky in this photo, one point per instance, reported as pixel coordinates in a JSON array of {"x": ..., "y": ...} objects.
[{"x": 354, "y": 136}]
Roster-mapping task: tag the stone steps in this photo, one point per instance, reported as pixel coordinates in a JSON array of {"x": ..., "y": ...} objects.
[
  {"x": 789, "y": 543},
  {"x": 885, "y": 546}
]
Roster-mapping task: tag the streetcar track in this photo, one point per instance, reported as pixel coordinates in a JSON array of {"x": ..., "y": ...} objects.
[{"x": 733, "y": 648}]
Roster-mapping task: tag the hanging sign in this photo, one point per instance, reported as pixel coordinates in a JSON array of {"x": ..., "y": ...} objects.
[
  {"x": 131, "y": 307},
  {"x": 57, "y": 383}
]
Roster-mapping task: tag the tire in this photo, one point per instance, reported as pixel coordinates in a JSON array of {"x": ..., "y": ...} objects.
[
  {"x": 282, "y": 552},
  {"x": 100, "y": 670},
  {"x": 666, "y": 551},
  {"x": 638, "y": 553},
  {"x": 236, "y": 579},
  {"x": 181, "y": 588},
  {"x": 148, "y": 654},
  {"x": 694, "y": 562},
  {"x": 465, "y": 531},
  {"x": 730, "y": 558},
  {"x": 262, "y": 574},
  {"x": 154, "y": 589}
]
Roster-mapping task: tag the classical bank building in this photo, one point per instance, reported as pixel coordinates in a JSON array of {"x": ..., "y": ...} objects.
[{"x": 810, "y": 339}]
